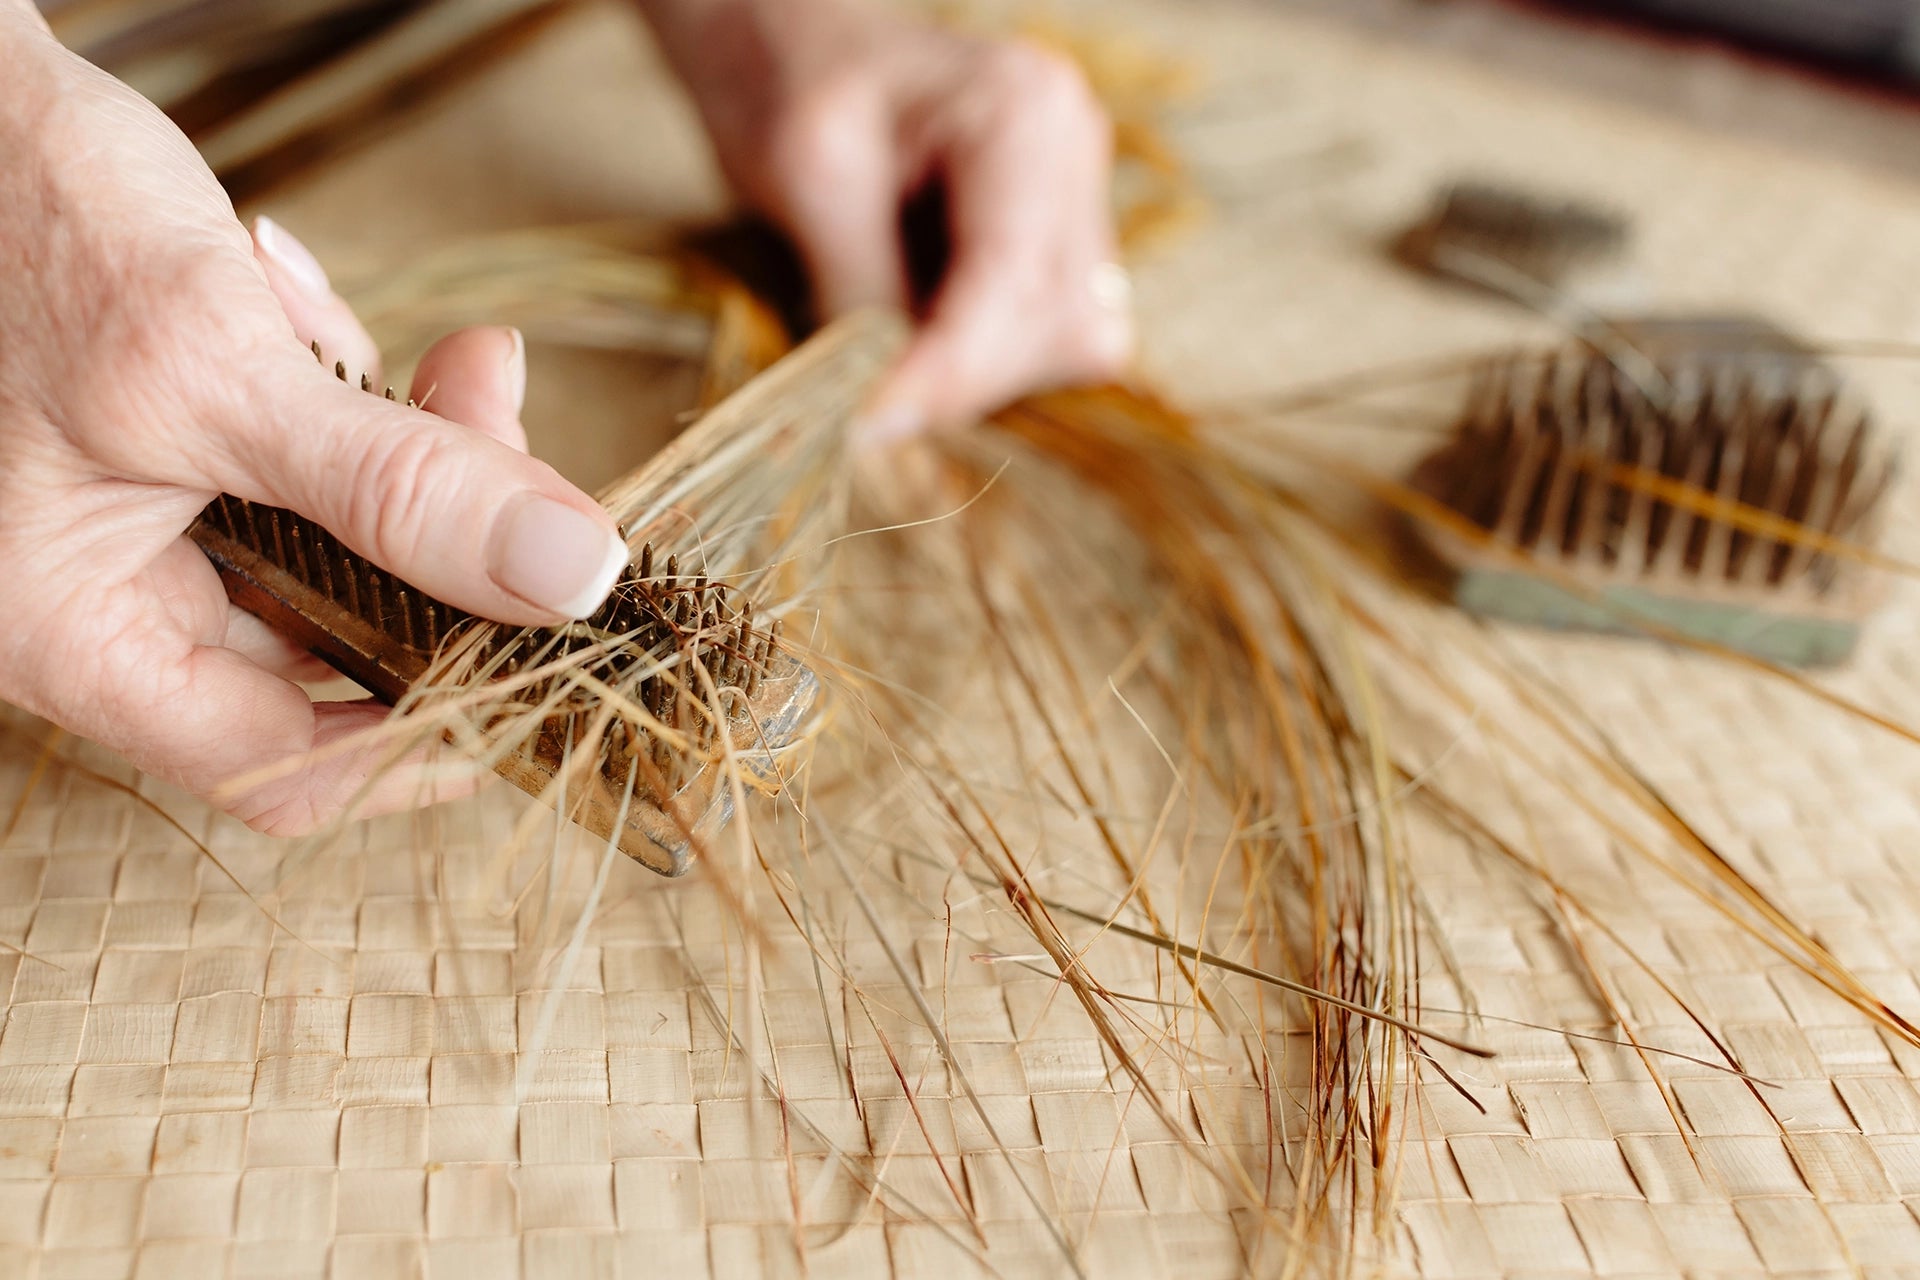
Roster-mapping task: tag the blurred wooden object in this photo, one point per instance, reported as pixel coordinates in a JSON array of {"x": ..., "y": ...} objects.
[{"x": 395, "y": 63}]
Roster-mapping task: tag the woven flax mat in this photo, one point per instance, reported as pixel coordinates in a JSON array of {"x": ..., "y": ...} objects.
[{"x": 190, "y": 1088}]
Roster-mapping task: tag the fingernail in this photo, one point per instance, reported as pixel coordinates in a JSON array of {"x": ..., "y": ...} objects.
[
  {"x": 517, "y": 370},
  {"x": 553, "y": 556},
  {"x": 889, "y": 425},
  {"x": 292, "y": 257}
]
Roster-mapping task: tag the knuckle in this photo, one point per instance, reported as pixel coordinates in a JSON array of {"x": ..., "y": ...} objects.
[
  {"x": 283, "y": 809},
  {"x": 399, "y": 493},
  {"x": 826, "y": 133},
  {"x": 1044, "y": 77}
]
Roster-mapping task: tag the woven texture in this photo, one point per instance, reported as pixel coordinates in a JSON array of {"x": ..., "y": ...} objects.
[{"x": 188, "y": 1088}]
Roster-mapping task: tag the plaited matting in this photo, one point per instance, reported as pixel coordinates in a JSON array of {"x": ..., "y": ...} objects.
[{"x": 188, "y": 1089}]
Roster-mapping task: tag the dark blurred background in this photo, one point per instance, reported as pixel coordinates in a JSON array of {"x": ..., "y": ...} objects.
[
  {"x": 1872, "y": 38},
  {"x": 1874, "y": 35},
  {"x": 1838, "y": 76}
]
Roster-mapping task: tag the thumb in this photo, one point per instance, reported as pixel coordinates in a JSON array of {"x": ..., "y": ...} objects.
[{"x": 459, "y": 515}]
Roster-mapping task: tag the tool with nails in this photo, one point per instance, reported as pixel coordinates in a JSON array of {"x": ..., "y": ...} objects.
[
  {"x": 703, "y": 677},
  {"x": 1724, "y": 484},
  {"x": 1487, "y": 235}
]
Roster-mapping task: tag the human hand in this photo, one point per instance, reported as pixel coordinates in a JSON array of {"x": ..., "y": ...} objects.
[
  {"x": 827, "y": 116},
  {"x": 151, "y": 356}
]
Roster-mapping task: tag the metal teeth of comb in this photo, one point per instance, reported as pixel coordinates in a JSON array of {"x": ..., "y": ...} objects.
[
  {"x": 366, "y": 380},
  {"x": 684, "y": 649},
  {"x": 1560, "y": 457},
  {"x": 1544, "y": 240},
  {"x": 635, "y": 613}
]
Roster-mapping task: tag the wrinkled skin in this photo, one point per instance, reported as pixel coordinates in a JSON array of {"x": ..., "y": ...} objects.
[
  {"x": 150, "y": 358},
  {"x": 153, "y": 353}
]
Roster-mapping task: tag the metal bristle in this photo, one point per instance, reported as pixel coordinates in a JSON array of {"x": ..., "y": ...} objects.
[
  {"x": 669, "y": 635},
  {"x": 1570, "y": 457}
]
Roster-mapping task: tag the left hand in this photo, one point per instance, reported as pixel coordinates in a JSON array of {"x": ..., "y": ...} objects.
[{"x": 827, "y": 116}]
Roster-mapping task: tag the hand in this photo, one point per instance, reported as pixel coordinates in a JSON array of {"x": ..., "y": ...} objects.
[
  {"x": 151, "y": 356},
  {"x": 827, "y": 116}
]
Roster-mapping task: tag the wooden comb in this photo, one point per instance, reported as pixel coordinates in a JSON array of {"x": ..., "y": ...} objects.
[
  {"x": 386, "y": 635},
  {"x": 1597, "y": 492},
  {"x": 1481, "y": 234}
]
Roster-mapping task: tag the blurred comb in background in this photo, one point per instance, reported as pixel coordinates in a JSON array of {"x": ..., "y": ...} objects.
[{"x": 248, "y": 79}]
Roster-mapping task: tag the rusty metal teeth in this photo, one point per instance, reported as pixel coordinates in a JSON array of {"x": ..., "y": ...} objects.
[
  {"x": 684, "y": 649},
  {"x": 1534, "y": 457}
]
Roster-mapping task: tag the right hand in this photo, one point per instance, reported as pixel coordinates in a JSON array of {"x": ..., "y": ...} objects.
[
  {"x": 152, "y": 355},
  {"x": 830, "y": 115}
]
